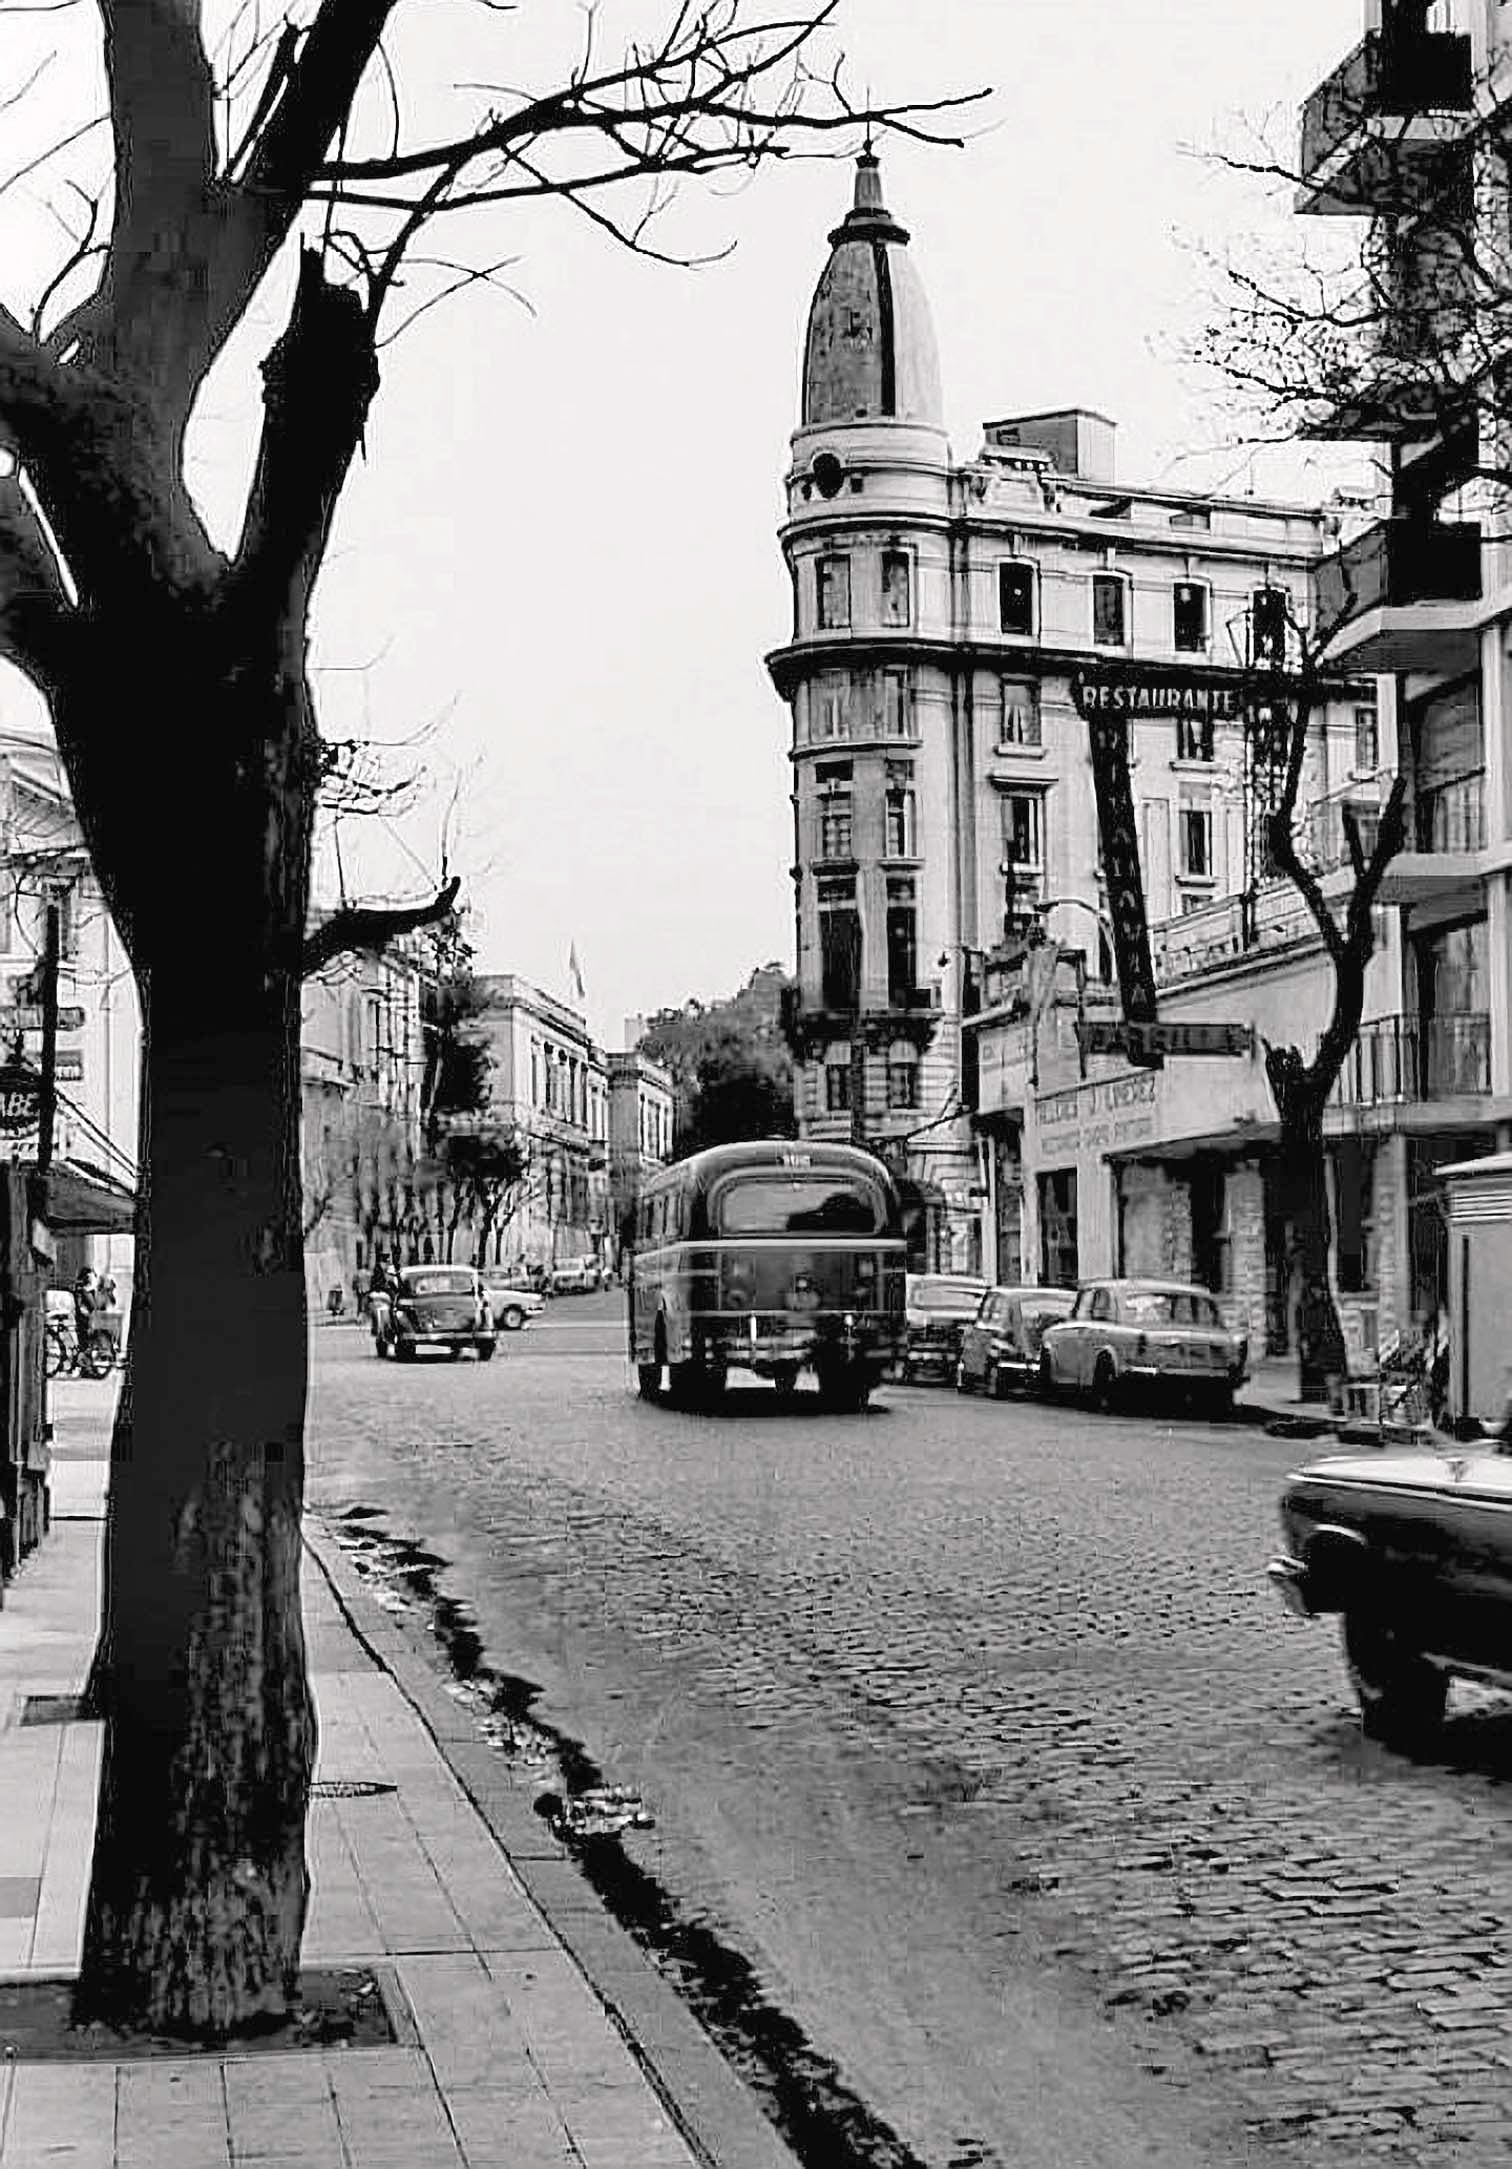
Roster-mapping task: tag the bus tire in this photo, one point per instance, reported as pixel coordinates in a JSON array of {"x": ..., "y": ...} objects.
[
  {"x": 844, "y": 1388},
  {"x": 785, "y": 1381},
  {"x": 648, "y": 1381}
]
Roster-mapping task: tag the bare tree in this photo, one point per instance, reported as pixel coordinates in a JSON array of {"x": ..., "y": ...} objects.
[{"x": 109, "y": 578}]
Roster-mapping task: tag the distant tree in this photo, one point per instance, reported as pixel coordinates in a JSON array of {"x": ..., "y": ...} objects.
[
  {"x": 457, "y": 1061},
  {"x": 489, "y": 1174},
  {"x": 732, "y": 1073}
]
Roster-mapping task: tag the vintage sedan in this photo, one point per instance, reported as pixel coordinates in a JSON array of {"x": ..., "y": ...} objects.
[
  {"x": 1000, "y": 1348},
  {"x": 936, "y": 1306},
  {"x": 433, "y": 1306},
  {"x": 512, "y": 1301},
  {"x": 1413, "y": 1550},
  {"x": 1128, "y": 1336}
]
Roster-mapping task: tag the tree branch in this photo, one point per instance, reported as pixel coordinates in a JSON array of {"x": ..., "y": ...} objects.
[
  {"x": 370, "y": 927},
  {"x": 38, "y": 625}
]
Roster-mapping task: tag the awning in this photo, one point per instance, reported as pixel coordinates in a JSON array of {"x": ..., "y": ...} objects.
[{"x": 74, "y": 1199}]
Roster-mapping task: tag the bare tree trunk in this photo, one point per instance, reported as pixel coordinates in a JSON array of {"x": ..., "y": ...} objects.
[{"x": 1309, "y": 1224}]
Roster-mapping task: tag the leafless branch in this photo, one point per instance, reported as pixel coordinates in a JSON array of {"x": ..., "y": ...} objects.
[{"x": 371, "y": 927}]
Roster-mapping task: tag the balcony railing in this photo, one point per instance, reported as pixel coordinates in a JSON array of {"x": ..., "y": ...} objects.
[
  {"x": 1226, "y": 930},
  {"x": 1409, "y": 1058},
  {"x": 1397, "y": 562},
  {"x": 1323, "y": 840},
  {"x": 1400, "y": 72},
  {"x": 1451, "y": 816}
]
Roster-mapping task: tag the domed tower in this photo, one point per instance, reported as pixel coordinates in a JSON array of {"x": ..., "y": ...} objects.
[{"x": 868, "y": 679}]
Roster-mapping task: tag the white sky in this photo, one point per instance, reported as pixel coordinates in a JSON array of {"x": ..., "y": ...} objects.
[{"x": 563, "y": 539}]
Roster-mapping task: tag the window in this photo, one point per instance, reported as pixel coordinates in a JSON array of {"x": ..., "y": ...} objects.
[
  {"x": 1367, "y": 742},
  {"x": 900, "y": 829},
  {"x": 1057, "y": 1218},
  {"x": 903, "y": 1078},
  {"x": 1354, "y": 1220},
  {"x": 837, "y": 1091},
  {"x": 897, "y": 588},
  {"x": 839, "y": 943},
  {"x": 1017, "y": 599},
  {"x": 773, "y": 1204},
  {"x": 902, "y": 941},
  {"x": 1189, "y": 613},
  {"x": 1268, "y": 611},
  {"x": 895, "y": 703},
  {"x": 832, "y": 577},
  {"x": 829, "y": 702},
  {"x": 1024, "y": 830},
  {"x": 835, "y": 823},
  {"x": 1110, "y": 610},
  {"x": 1018, "y": 712},
  {"x": 1197, "y": 843},
  {"x": 1194, "y": 738}
]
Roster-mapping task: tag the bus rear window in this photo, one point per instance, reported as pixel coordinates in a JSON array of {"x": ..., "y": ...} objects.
[{"x": 809, "y": 1204}]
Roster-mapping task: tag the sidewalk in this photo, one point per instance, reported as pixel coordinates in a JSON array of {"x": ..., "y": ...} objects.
[{"x": 531, "y": 2033}]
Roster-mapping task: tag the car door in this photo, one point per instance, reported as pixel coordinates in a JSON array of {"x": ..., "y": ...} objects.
[{"x": 1070, "y": 1342}]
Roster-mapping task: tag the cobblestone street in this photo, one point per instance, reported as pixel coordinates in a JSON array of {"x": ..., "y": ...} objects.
[{"x": 971, "y": 1723}]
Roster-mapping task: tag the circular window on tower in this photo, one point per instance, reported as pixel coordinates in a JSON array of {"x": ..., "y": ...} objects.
[{"x": 828, "y": 474}]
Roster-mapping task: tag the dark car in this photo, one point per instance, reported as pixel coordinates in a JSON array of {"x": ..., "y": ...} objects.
[
  {"x": 433, "y": 1306},
  {"x": 1413, "y": 1550},
  {"x": 936, "y": 1306},
  {"x": 1000, "y": 1348}
]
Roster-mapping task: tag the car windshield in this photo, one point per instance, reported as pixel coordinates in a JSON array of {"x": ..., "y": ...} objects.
[
  {"x": 1043, "y": 1308},
  {"x": 799, "y": 1204},
  {"x": 1171, "y": 1306},
  {"x": 945, "y": 1294},
  {"x": 440, "y": 1280}
]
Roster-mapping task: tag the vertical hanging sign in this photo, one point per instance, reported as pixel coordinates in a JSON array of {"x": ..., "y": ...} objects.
[{"x": 1108, "y": 736}]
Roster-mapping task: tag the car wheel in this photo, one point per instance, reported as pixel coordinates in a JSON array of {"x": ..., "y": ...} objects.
[
  {"x": 513, "y": 1318},
  {"x": 1220, "y": 1402},
  {"x": 404, "y": 1351},
  {"x": 1402, "y": 1697},
  {"x": 997, "y": 1384},
  {"x": 1105, "y": 1385},
  {"x": 485, "y": 1351},
  {"x": 380, "y": 1344},
  {"x": 648, "y": 1381},
  {"x": 905, "y": 1372},
  {"x": 1048, "y": 1389},
  {"x": 785, "y": 1381},
  {"x": 962, "y": 1377}
]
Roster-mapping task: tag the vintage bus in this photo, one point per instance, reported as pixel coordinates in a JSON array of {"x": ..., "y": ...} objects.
[{"x": 772, "y": 1257}]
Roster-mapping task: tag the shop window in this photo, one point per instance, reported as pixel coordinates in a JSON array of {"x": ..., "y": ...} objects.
[
  {"x": 897, "y": 588},
  {"x": 1189, "y": 616},
  {"x": 1110, "y": 610},
  {"x": 1197, "y": 843},
  {"x": 1018, "y": 712},
  {"x": 1059, "y": 1266},
  {"x": 1018, "y": 599},
  {"x": 832, "y": 578}
]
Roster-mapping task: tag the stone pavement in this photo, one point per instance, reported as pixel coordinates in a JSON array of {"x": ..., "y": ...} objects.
[{"x": 531, "y": 2033}]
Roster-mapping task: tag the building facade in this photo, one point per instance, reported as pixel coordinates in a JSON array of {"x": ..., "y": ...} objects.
[
  {"x": 944, "y": 805},
  {"x": 640, "y": 1130},
  {"x": 551, "y": 1085}
]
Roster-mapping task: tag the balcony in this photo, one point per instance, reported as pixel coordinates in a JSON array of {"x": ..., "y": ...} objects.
[
  {"x": 1323, "y": 842},
  {"x": 808, "y": 1026},
  {"x": 1399, "y": 1060},
  {"x": 1379, "y": 132},
  {"x": 1404, "y": 596},
  {"x": 1447, "y": 828},
  {"x": 1228, "y": 931}
]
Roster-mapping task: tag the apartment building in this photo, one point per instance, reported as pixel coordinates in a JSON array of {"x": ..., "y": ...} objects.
[
  {"x": 640, "y": 1129},
  {"x": 551, "y": 1084}
]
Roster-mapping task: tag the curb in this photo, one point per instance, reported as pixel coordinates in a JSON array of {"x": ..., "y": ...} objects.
[{"x": 712, "y": 2107}]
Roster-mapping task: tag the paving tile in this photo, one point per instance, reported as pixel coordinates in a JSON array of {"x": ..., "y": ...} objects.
[
  {"x": 60, "y": 2105},
  {"x": 505, "y": 2128},
  {"x": 463, "y": 2017}
]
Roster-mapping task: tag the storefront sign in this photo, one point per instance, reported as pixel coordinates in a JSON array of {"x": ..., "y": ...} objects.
[
  {"x": 1128, "y": 692},
  {"x": 1100, "y": 1035},
  {"x": 1111, "y": 1115},
  {"x": 1109, "y": 741},
  {"x": 20, "y": 1100}
]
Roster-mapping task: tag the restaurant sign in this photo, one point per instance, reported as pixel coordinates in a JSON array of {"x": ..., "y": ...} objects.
[{"x": 1136, "y": 695}]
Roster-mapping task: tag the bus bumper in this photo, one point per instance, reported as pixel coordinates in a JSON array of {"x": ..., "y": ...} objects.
[{"x": 772, "y": 1347}]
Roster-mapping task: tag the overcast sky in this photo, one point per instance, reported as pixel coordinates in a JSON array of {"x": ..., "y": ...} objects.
[{"x": 561, "y": 549}]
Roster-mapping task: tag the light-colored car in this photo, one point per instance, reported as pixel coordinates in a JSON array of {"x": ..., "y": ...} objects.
[
  {"x": 512, "y": 1303},
  {"x": 575, "y": 1276},
  {"x": 1127, "y": 1335},
  {"x": 1000, "y": 1348}
]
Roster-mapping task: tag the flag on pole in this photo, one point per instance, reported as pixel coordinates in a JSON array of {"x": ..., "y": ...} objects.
[{"x": 575, "y": 975}]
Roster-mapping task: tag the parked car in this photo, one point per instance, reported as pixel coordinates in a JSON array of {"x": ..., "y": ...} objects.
[
  {"x": 433, "y": 1306},
  {"x": 1414, "y": 1551},
  {"x": 1000, "y": 1348},
  {"x": 512, "y": 1301},
  {"x": 1152, "y": 1335},
  {"x": 575, "y": 1276},
  {"x": 935, "y": 1308}
]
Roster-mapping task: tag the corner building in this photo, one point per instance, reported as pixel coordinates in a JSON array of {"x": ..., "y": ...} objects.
[{"x": 951, "y": 913}]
